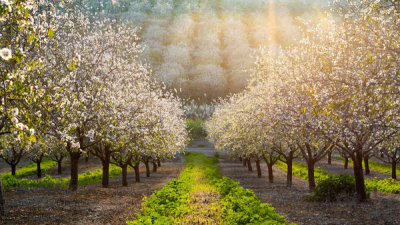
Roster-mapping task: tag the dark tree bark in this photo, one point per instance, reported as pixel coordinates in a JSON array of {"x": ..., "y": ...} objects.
[
  {"x": 311, "y": 177},
  {"x": 15, "y": 158},
  {"x": 346, "y": 162},
  {"x": 249, "y": 167},
  {"x": 103, "y": 151},
  {"x": 59, "y": 166},
  {"x": 244, "y": 162},
  {"x": 158, "y": 162},
  {"x": 270, "y": 160},
  {"x": 123, "y": 161},
  {"x": 312, "y": 155},
  {"x": 270, "y": 173},
  {"x": 359, "y": 175},
  {"x": 366, "y": 159},
  {"x": 329, "y": 157},
  {"x": 13, "y": 169},
  {"x": 259, "y": 173},
  {"x": 73, "y": 184},
  {"x": 87, "y": 158},
  {"x": 394, "y": 168},
  {"x": 137, "y": 172},
  {"x": 38, "y": 169},
  {"x": 147, "y": 168},
  {"x": 124, "y": 175},
  {"x": 154, "y": 166},
  {"x": 289, "y": 163},
  {"x": 106, "y": 172}
]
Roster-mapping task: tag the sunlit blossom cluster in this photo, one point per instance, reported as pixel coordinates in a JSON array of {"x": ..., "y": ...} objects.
[{"x": 335, "y": 89}]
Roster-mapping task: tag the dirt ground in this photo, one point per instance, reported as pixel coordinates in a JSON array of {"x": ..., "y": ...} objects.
[
  {"x": 96, "y": 205},
  {"x": 89, "y": 205},
  {"x": 382, "y": 208}
]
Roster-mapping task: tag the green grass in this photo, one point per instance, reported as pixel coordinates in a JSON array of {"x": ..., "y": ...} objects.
[
  {"x": 195, "y": 128},
  {"x": 30, "y": 169},
  {"x": 376, "y": 166},
  {"x": 84, "y": 179},
  {"x": 200, "y": 194},
  {"x": 388, "y": 185}
]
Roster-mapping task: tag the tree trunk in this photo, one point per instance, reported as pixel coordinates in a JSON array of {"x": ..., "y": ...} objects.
[
  {"x": 106, "y": 171},
  {"x": 329, "y": 157},
  {"x": 249, "y": 167},
  {"x": 270, "y": 173},
  {"x": 87, "y": 158},
  {"x": 289, "y": 162},
  {"x": 59, "y": 165},
  {"x": 359, "y": 176},
  {"x": 259, "y": 174},
  {"x": 73, "y": 184},
  {"x": 137, "y": 174},
  {"x": 154, "y": 166},
  {"x": 124, "y": 175},
  {"x": 394, "y": 168},
  {"x": 1, "y": 200},
  {"x": 311, "y": 177},
  {"x": 346, "y": 162},
  {"x": 146, "y": 163},
  {"x": 240, "y": 159},
  {"x": 13, "y": 169},
  {"x": 244, "y": 162},
  {"x": 38, "y": 169},
  {"x": 367, "y": 171},
  {"x": 158, "y": 162}
]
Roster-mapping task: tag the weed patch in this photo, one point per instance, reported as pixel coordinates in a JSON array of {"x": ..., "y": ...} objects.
[{"x": 201, "y": 196}]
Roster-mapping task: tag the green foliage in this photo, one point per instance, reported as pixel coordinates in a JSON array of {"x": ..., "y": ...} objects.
[
  {"x": 376, "y": 166},
  {"x": 242, "y": 206},
  {"x": 388, "y": 185},
  {"x": 195, "y": 128},
  {"x": 84, "y": 179},
  {"x": 333, "y": 188},
  {"x": 30, "y": 169},
  {"x": 236, "y": 205},
  {"x": 170, "y": 201}
]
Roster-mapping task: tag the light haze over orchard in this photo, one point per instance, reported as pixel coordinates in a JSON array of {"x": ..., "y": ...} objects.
[{"x": 203, "y": 48}]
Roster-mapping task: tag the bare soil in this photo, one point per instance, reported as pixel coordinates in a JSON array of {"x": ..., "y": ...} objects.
[
  {"x": 382, "y": 208},
  {"x": 89, "y": 205}
]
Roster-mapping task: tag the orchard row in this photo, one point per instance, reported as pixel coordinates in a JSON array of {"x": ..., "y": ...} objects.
[
  {"x": 72, "y": 85},
  {"x": 337, "y": 87}
]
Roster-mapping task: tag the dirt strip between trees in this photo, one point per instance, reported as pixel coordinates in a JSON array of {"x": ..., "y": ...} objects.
[
  {"x": 382, "y": 208},
  {"x": 89, "y": 205}
]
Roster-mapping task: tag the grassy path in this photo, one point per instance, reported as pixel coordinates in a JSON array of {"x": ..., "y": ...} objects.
[{"x": 202, "y": 196}]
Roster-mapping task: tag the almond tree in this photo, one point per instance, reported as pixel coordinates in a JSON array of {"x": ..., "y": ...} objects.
[
  {"x": 389, "y": 151},
  {"x": 13, "y": 149},
  {"x": 19, "y": 39}
]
